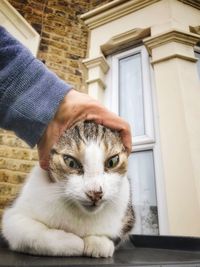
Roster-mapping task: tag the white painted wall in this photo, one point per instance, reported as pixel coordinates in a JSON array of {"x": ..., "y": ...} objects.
[{"x": 18, "y": 26}]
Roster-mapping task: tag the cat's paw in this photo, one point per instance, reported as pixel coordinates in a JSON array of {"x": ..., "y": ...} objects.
[
  {"x": 60, "y": 243},
  {"x": 98, "y": 246}
]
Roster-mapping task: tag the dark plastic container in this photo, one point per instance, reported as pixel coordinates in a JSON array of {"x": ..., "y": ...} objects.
[{"x": 138, "y": 251}]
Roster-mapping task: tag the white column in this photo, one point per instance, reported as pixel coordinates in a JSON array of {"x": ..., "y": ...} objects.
[
  {"x": 178, "y": 100},
  {"x": 96, "y": 70}
]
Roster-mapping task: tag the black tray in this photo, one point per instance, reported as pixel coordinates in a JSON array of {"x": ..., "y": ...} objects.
[{"x": 138, "y": 251}]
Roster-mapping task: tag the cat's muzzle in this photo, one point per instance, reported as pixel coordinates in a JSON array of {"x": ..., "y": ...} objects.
[{"x": 92, "y": 206}]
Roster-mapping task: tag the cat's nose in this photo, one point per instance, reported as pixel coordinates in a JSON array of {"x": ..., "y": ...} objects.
[{"x": 95, "y": 196}]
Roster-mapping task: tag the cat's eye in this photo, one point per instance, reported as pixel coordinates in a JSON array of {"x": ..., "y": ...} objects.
[
  {"x": 71, "y": 162},
  {"x": 112, "y": 162}
]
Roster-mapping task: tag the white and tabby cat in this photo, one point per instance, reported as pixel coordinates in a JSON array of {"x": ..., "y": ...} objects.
[{"x": 82, "y": 206}]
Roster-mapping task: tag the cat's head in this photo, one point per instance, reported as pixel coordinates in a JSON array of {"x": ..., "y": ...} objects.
[{"x": 89, "y": 163}]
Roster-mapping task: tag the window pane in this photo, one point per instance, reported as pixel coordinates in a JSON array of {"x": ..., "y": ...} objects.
[
  {"x": 131, "y": 93},
  {"x": 142, "y": 177},
  {"x": 197, "y": 54}
]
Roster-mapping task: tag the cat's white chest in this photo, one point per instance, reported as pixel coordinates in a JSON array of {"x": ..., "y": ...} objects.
[
  {"x": 107, "y": 222},
  {"x": 59, "y": 215}
]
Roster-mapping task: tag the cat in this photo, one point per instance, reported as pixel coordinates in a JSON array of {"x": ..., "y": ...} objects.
[{"x": 82, "y": 205}]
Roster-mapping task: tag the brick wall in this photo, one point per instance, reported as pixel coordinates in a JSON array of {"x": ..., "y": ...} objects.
[
  {"x": 63, "y": 34},
  {"x": 63, "y": 46}
]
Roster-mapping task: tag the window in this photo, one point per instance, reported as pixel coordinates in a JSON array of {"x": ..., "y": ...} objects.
[
  {"x": 142, "y": 174},
  {"x": 129, "y": 95}
]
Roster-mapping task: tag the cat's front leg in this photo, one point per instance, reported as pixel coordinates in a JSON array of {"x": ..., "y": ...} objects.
[
  {"x": 27, "y": 235},
  {"x": 98, "y": 246}
]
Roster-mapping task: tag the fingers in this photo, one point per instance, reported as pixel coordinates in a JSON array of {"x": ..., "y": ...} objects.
[
  {"x": 127, "y": 140},
  {"x": 44, "y": 164},
  {"x": 112, "y": 121},
  {"x": 76, "y": 107},
  {"x": 49, "y": 138}
]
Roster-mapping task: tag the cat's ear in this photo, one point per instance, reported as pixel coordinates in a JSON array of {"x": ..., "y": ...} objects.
[
  {"x": 53, "y": 151},
  {"x": 124, "y": 150}
]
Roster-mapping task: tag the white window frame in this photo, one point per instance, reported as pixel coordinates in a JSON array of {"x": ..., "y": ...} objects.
[
  {"x": 197, "y": 50},
  {"x": 150, "y": 140},
  {"x": 112, "y": 96}
]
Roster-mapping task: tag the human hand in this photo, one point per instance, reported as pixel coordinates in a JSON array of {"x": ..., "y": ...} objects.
[{"x": 75, "y": 107}]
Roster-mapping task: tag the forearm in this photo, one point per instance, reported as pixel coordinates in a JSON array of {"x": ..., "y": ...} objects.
[{"x": 29, "y": 93}]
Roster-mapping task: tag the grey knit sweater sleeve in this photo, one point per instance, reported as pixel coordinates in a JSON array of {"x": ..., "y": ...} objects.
[{"x": 29, "y": 93}]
